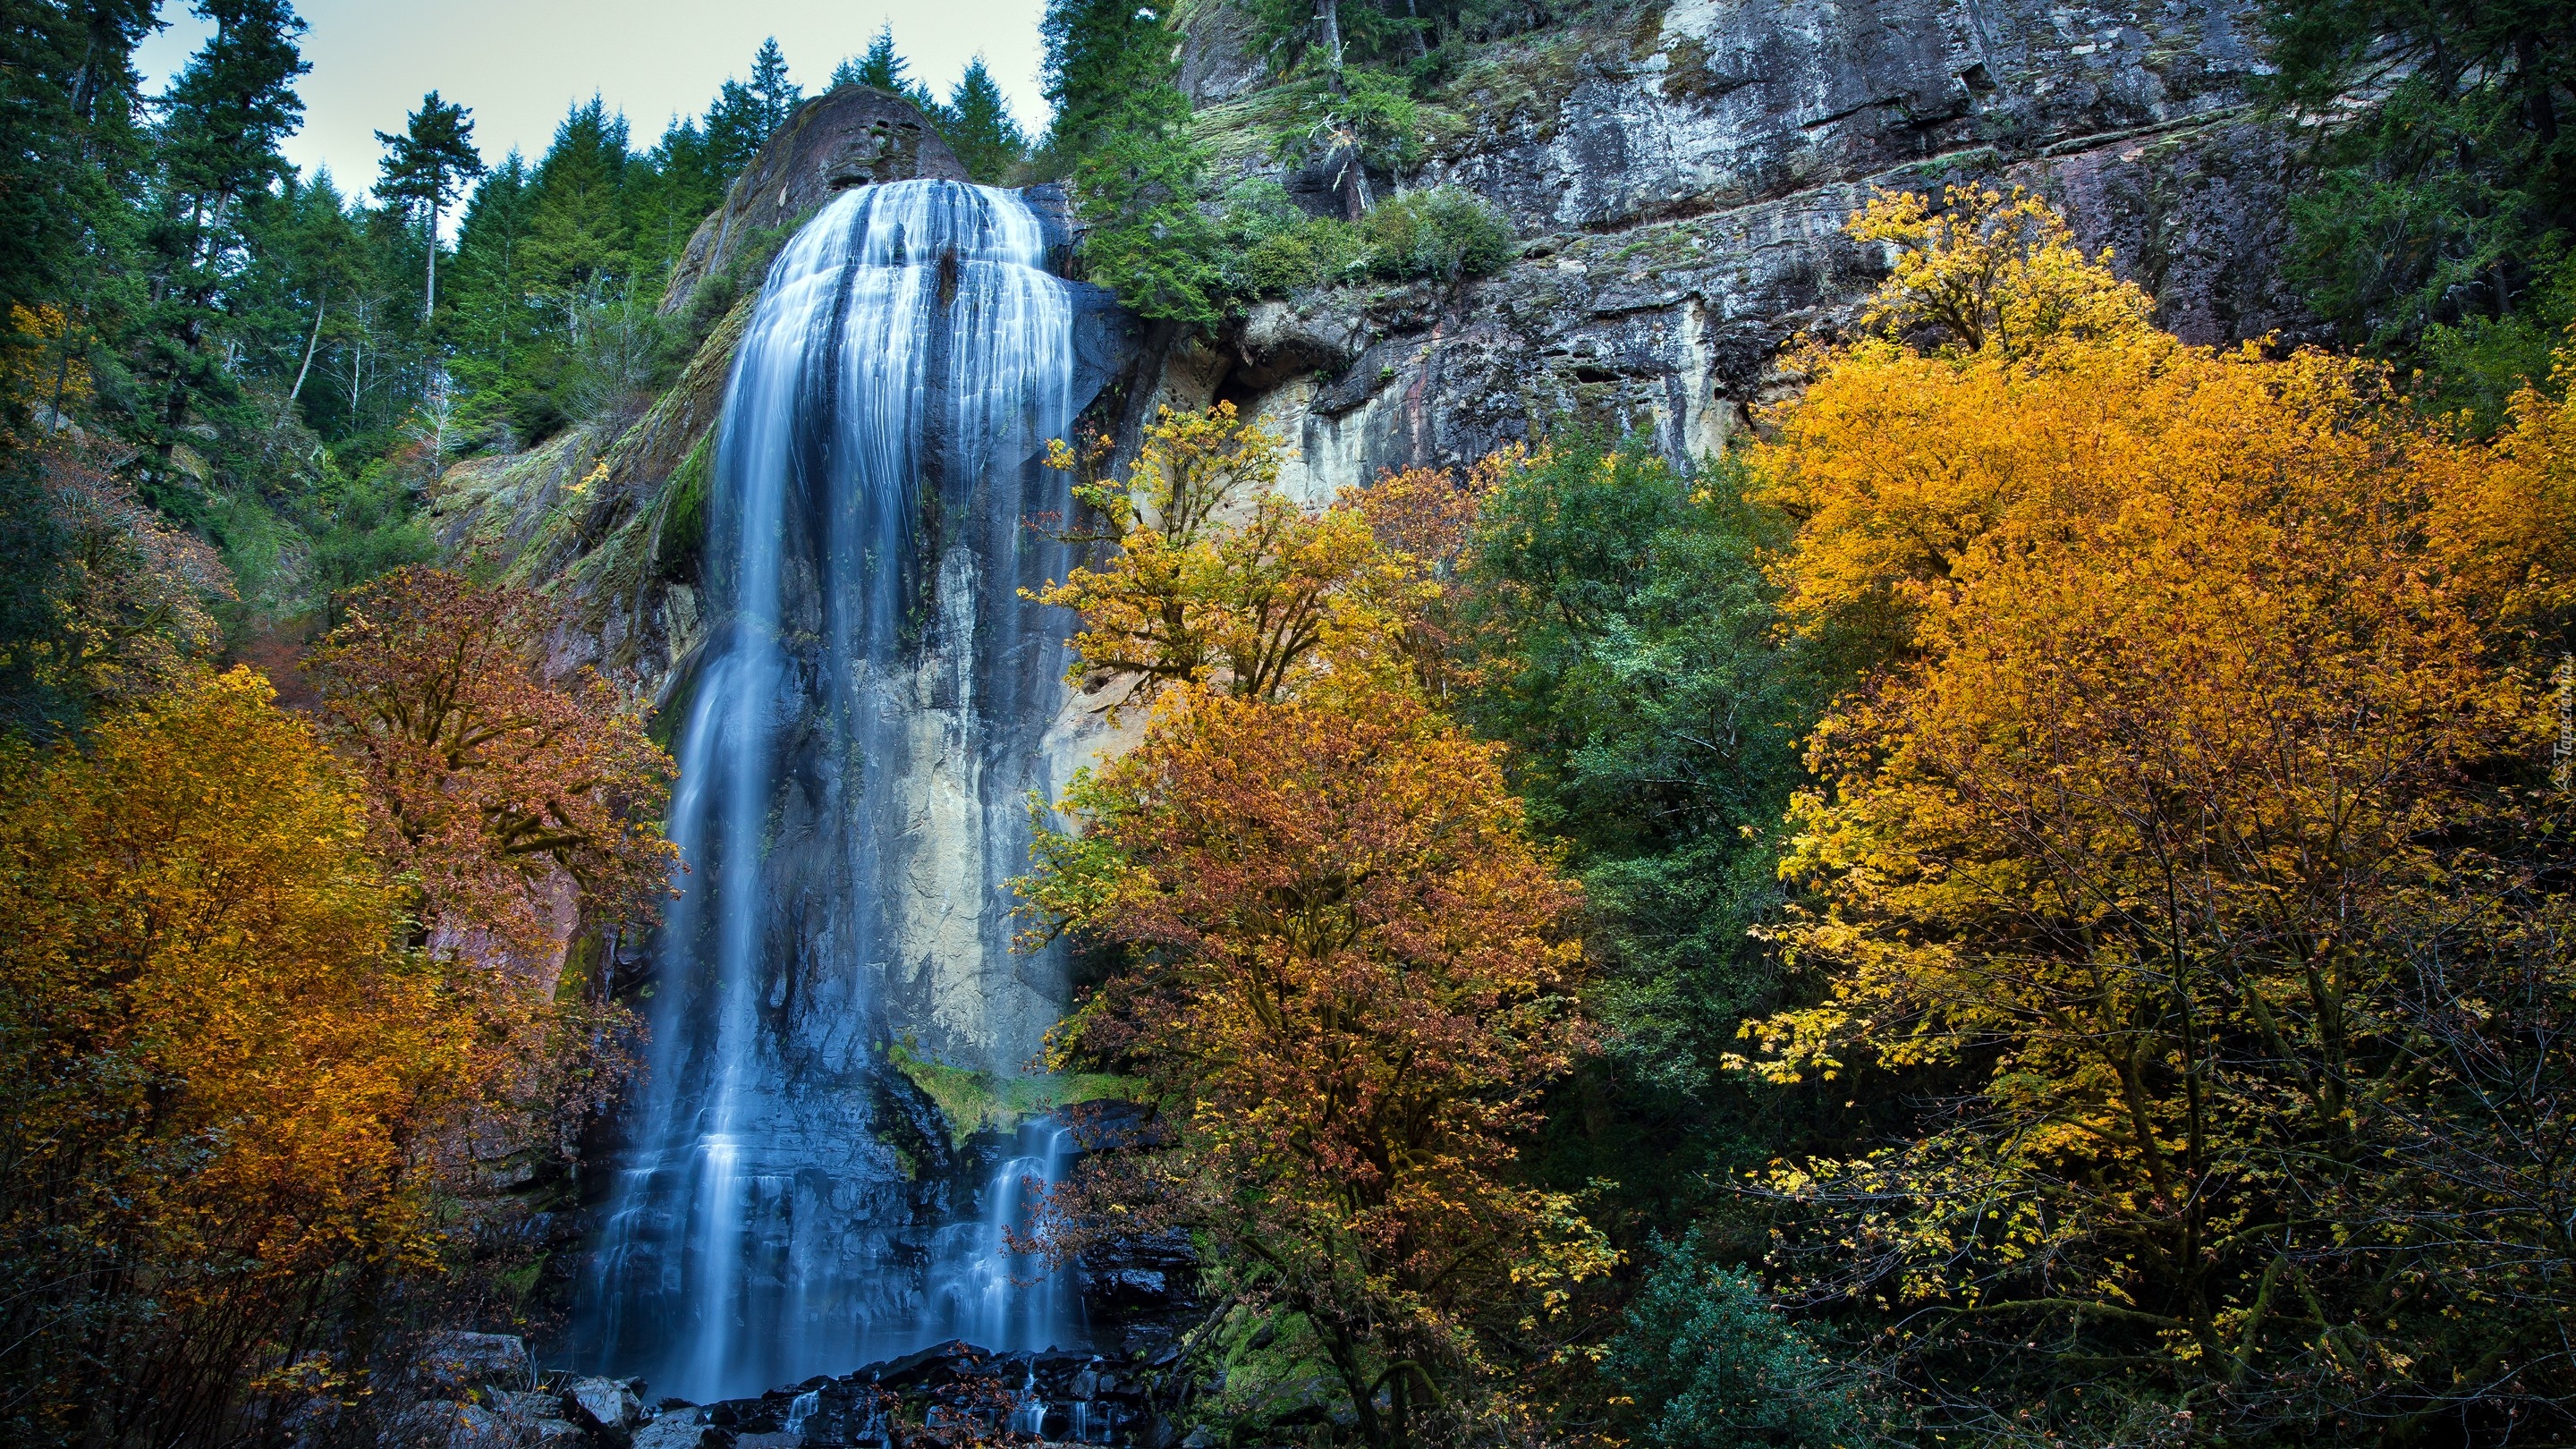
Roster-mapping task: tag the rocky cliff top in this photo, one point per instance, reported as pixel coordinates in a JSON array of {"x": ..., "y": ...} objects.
[
  {"x": 852, "y": 136},
  {"x": 1680, "y": 175}
]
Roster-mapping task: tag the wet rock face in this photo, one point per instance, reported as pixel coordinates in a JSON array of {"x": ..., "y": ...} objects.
[
  {"x": 1681, "y": 187},
  {"x": 951, "y": 1394}
]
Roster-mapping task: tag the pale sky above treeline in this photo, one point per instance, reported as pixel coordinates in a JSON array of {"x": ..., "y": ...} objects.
[{"x": 520, "y": 63}]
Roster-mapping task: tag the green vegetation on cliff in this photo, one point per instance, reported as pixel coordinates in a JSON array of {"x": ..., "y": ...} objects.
[
  {"x": 2440, "y": 226},
  {"x": 975, "y": 1101}
]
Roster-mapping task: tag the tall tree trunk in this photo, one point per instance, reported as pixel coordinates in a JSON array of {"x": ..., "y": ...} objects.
[
  {"x": 1328, "y": 17},
  {"x": 321, "y": 305},
  {"x": 429, "y": 297}
]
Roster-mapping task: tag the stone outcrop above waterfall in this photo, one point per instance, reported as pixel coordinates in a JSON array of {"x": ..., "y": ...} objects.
[
  {"x": 851, "y": 136},
  {"x": 1680, "y": 179}
]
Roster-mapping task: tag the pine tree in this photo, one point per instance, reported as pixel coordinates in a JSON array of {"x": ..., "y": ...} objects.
[
  {"x": 978, "y": 126},
  {"x": 429, "y": 166}
]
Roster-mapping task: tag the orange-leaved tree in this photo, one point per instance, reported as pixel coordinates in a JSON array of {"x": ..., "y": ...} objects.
[
  {"x": 2177, "y": 841},
  {"x": 497, "y": 793},
  {"x": 1348, "y": 974},
  {"x": 226, "y": 1090},
  {"x": 1339, "y": 959}
]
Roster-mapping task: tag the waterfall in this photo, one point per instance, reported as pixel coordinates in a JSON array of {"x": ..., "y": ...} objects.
[
  {"x": 859, "y": 733},
  {"x": 987, "y": 1294}
]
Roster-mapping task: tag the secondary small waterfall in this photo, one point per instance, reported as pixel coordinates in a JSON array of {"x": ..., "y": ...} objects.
[{"x": 863, "y": 726}]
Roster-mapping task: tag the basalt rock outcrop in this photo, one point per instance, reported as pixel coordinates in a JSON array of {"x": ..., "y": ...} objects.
[
  {"x": 948, "y": 1396},
  {"x": 851, "y": 136},
  {"x": 1680, "y": 179}
]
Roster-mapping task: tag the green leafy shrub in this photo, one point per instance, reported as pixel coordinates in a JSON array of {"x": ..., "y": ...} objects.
[
  {"x": 1441, "y": 234},
  {"x": 1274, "y": 249},
  {"x": 1711, "y": 1364}
]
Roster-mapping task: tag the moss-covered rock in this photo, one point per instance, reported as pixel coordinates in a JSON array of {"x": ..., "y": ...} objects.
[{"x": 974, "y": 1102}]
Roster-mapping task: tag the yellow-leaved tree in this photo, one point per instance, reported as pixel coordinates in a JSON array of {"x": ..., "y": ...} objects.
[
  {"x": 1214, "y": 577},
  {"x": 2186, "y": 861}
]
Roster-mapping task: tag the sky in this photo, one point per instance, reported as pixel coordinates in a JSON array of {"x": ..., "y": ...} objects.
[{"x": 519, "y": 64}]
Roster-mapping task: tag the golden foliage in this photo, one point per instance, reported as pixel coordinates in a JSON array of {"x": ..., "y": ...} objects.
[
  {"x": 1903, "y": 467},
  {"x": 37, "y": 365},
  {"x": 2513, "y": 535},
  {"x": 1215, "y": 577},
  {"x": 488, "y": 784},
  {"x": 224, "y": 1088},
  {"x": 2175, "y": 833},
  {"x": 1349, "y": 973},
  {"x": 133, "y": 600},
  {"x": 1990, "y": 272}
]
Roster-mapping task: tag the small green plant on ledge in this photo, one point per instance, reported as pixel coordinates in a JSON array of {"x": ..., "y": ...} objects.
[
  {"x": 972, "y": 1101},
  {"x": 1439, "y": 234}
]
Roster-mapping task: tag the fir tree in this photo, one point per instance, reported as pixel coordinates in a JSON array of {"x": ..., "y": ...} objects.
[
  {"x": 776, "y": 96},
  {"x": 746, "y": 114},
  {"x": 682, "y": 180},
  {"x": 65, "y": 134},
  {"x": 489, "y": 291},
  {"x": 63, "y": 61},
  {"x": 978, "y": 126},
  {"x": 885, "y": 69},
  {"x": 578, "y": 232},
  {"x": 1122, "y": 132},
  {"x": 429, "y": 166}
]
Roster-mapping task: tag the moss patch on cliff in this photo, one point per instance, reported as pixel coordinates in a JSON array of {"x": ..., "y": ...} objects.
[
  {"x": 682, "y": 529},
  {"x": 973, "y": 1101}
]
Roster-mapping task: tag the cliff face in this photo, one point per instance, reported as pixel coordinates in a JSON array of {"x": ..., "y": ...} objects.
[{"x": 1680, "y": 180}]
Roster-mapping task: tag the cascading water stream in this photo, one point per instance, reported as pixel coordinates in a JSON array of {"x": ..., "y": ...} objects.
[
  {"x": 987, "y": 1294},
  {"x": 864, "y": 724}
]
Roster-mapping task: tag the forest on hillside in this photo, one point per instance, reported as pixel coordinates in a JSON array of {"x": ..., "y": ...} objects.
[{"x": 2027, "y": 900}]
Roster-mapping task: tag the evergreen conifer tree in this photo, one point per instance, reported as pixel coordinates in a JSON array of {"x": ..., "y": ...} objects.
[
  {"x": 490, "y": 284},
  {"x": 884, "y": 68},
  {"x": 222, "y": 122},
  {"x": 66, "y": 125},
  {"x": 776, "y": 96},
  {"x": 978, "y": 126},
  {"x": 429, "y": 166},
  {"x": 1122, "y": 133},
  {"x": 745, "y": 114}
]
